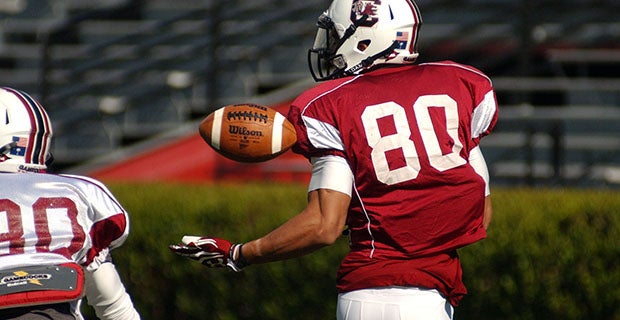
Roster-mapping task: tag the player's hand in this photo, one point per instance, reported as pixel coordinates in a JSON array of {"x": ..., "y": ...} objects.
[{"x": 211, "y": 252}]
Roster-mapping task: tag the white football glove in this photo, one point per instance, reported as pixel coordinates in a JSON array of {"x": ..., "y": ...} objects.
[{"x": 211, "y": 252}]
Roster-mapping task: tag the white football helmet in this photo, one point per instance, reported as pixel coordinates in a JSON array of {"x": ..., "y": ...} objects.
[
  {"x": 357, "y": 35},
  {"x": 25, "y": 133}
]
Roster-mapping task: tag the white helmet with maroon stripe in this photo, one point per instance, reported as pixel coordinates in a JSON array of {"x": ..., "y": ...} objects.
[
  {"x": 357, "y": 35},
  {"x": 25, "y": 133}
]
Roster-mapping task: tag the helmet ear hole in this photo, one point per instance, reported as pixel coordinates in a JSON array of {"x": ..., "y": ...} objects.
[{"x": 362, "y": 45}]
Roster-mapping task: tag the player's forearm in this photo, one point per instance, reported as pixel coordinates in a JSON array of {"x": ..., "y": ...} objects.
[
  {"x": 319, "y": 225},
  {"x": 288, "y": 241}
]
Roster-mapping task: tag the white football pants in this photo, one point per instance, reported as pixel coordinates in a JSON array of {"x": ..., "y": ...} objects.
[{"x": 393, "y": 303}]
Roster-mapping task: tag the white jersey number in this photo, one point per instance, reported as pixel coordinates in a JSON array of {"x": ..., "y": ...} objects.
[{"x": 439, "y": 158}]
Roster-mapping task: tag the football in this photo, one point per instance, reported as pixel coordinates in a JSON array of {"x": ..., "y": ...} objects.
[{"x": 248, "y": 132}]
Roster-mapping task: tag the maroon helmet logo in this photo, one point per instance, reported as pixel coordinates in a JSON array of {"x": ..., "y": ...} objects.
[{"x": 361, "y": 8}]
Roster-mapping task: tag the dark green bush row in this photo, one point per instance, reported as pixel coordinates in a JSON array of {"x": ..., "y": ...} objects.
[{"x": 551, "y": 254}]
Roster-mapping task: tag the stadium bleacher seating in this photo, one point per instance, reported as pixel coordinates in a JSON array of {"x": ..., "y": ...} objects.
[{"x": 112, "y": 73}]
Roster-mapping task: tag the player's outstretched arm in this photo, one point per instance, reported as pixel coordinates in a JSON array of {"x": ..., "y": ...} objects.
[{"x": 318, "y": 225}]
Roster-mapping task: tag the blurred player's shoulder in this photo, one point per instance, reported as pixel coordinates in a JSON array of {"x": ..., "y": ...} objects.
[
  {"x": 75, "y": 182},
  {"x": 53, "y": 180},
  {"x": 79, "y": 179}
]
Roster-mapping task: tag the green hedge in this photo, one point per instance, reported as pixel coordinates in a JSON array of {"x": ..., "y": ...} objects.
[{"x": 551, "y": 254}]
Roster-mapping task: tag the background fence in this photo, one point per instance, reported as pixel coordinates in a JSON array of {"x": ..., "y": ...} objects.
[{"x": 118, "y": 73}]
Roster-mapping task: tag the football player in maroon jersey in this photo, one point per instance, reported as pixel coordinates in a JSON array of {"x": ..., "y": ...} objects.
[
  {"x": 394, "y": 147},
  {"x": 56, "y": 231}
]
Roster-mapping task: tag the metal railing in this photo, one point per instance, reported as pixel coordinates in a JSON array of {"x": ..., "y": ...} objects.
[
  {"x": 136, "y": 68},
  {"x": 220, "y": 50}
]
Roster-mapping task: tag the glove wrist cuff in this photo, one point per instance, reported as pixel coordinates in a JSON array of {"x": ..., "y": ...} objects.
[
  {"x": 236, "y": 256},
  {"x": 241, "y": 261}
]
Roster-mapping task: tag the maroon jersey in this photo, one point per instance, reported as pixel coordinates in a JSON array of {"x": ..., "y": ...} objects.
[{"x": 406, "y": 133}]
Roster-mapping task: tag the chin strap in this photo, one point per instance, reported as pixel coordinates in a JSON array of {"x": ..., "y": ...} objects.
[
  {"x": 7, "y": 147},
  {"x": 370, "y": 60},
  {"x": 6, "y": 165},
  {"x": 22, "y": 167}
]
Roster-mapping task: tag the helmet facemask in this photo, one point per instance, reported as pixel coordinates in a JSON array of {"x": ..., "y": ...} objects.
[{"x": 323, "y": 60}]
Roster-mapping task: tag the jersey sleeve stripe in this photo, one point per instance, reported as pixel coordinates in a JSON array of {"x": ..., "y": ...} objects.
[
  {"x": 323, "y": 135},
  {"x": 483, "y": 115},
  {"x": 105, "y": 234}
]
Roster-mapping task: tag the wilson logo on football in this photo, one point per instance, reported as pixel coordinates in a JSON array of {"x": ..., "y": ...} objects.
[{"x": 244, "y": 131}]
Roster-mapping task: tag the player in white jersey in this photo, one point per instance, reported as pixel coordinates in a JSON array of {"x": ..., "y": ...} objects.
[{"x": 56, "y": 231}]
